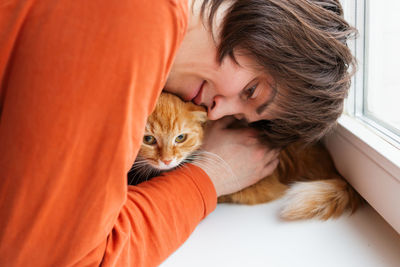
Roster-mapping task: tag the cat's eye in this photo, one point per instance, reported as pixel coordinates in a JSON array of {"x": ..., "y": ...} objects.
[
  {"x": 180, "y": 138},
  {"x": 149, "y": 140}
]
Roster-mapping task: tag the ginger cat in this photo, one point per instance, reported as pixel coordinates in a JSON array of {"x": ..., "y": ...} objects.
[{"x": 306, "y": 175}]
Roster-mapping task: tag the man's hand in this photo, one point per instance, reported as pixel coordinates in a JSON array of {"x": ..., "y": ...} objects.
[{"x": 236, "y": 159}]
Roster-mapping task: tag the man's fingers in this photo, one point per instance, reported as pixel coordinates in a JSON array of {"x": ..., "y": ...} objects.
[
  {"x": 273, "y": 154},
  {"x": 270, "y": 167}
]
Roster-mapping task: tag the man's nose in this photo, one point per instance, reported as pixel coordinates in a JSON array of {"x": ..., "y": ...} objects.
[{"x": 221, "y": 107}]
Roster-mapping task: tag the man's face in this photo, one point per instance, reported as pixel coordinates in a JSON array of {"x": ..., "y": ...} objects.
[{"x": 225, "y": 89}]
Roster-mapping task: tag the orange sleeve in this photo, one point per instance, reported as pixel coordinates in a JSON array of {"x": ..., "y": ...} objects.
[
  {"x": 78, "y": 80},
  {"x": 160, "y": 215}
]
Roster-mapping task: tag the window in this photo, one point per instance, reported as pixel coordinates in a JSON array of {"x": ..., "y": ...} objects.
[
  {"x": 375, "y": 92},
  {"x": 382, "y": 84},
  {"x": 366, "y": 144}
]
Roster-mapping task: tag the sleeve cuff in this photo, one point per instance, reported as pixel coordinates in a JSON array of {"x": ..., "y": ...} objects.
[{"x": 204, "y": 185}]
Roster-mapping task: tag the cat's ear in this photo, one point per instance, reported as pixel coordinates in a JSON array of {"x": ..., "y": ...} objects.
[
  {"x": 199, "y": 112},
  {"x": 201, "y": 116}
]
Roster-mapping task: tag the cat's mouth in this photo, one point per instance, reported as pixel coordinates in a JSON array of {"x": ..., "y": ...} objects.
[{"x": 165, "y": 166}]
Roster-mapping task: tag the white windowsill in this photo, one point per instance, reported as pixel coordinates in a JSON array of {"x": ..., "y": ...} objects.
[
  {"x": 253, "y": 236},
  {"x": 238, "y": 235},
  {"x": 370, "y": 164}
]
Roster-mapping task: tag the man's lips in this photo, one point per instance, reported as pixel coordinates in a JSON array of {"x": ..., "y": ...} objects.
[{"x": 197, "y": 98}]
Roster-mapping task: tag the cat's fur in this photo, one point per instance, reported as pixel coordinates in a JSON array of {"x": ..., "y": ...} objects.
[{"x": 305, "y": 176}]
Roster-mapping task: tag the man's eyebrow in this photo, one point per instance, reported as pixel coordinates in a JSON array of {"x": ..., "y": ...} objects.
[{"x": 264, "y": 106}]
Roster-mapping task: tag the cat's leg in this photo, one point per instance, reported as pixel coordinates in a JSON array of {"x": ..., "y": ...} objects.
[{"x": 267, "y": 189}]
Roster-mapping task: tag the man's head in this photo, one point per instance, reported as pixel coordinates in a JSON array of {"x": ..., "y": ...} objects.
[{"x": 281, "y": 64}]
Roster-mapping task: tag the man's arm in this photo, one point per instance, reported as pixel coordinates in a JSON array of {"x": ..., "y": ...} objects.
[
  {"x": 77, "y": 86},
  {"x": 159, "y": 215}
]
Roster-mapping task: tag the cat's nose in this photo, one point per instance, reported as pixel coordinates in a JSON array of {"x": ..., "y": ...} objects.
[{"x": 167, "y": 161}]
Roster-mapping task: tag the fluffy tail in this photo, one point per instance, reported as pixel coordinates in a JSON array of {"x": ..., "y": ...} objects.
[{"x": 322, "y": 199}]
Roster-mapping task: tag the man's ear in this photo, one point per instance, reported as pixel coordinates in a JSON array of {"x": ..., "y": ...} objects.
[{"x": 199, "y": 112}]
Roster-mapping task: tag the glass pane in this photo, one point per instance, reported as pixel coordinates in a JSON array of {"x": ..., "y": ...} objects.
[{"x": 383, "y": 63}]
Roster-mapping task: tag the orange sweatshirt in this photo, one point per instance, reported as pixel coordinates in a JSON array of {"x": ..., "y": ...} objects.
[{"x": 78, "y": 80}]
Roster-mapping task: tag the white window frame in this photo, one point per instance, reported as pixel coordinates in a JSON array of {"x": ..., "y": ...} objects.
[{"x": 364, "y": 152}]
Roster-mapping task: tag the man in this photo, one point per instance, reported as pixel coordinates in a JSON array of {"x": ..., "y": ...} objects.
[{"x": 78, "y": 81}]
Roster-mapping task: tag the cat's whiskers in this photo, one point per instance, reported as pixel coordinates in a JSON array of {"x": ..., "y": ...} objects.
[
  {"x": 136, "y": 174},
  {"x": 142, "y": 168},
  {"x": 208, "y": 160},
  {"x": 137, "y": 164},
  {"x": 201, "y": 158}
]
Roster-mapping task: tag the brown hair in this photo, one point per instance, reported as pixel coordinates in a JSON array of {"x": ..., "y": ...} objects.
[{"x": 302, "y": 44}]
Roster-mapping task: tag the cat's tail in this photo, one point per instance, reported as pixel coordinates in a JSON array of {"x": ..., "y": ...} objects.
[{"x": 322, "y": 199}]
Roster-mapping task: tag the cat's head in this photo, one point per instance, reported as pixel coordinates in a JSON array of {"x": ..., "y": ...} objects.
[{"x": 173, "y": 131}]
